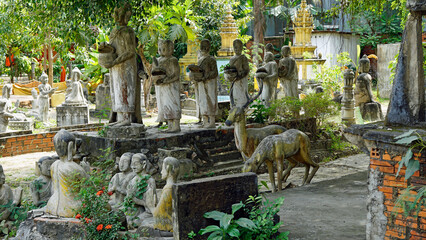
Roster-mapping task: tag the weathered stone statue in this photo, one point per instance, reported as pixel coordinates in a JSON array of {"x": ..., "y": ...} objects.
[
  {"x": 237, "y": 73},
  {"x": 103, "y": 94},
  {"x": 288, "y": 74},
  {"x": 4, "y": 116},
  {"x": 34, "y": 103},
  {"x": 269, "y": 92},
  {"x": 41, "y": 188},
  {"x": 7, "y": 90},
  {"x": 76, "y": 95},
  {"x": 119, "y": 55},
  {"x": 146, "y": 202},
  {"x": 163, "y": 211},
  {"x": 64, "y": 172},
  {"x": 269, "y": 48},
  {"x": 43, "y": 98},
  {"x": 370, "y": 110},
  {"x": 119, "y": 182},
  {"x": 6, "y": 196},
  {"x": 205, "y": 78},
  {"x": 165, "y": 74}
]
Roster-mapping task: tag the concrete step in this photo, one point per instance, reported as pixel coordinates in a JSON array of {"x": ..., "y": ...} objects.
[
  {"x": 225, "y": 156},
  {"x": 219, "y": 150},
  {"x": 221, "y": 171},
  {"x": 229, "y": 163}
]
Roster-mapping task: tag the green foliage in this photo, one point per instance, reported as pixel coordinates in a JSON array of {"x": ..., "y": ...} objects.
[
  {"x": 331, "y": 77},
  {"x": 259, "y": 225},
  {"x": 96, "y": 214},
  {"x": 415, "y": 142},
  {"x": 260, "y": 113},
  {"x": 17, "y": 215},
  {"x": 409, "y": 202},
  {"x": 284, "y": 108},
  {"x": 337, "y": 143}
]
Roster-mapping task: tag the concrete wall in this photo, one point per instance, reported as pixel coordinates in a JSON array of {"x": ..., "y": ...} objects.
[
  {"x": 333, "y": 43},
  {"x": 385, "y": 54}
]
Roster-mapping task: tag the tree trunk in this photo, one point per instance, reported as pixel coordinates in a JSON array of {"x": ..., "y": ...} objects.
[
  {"x": 50, "y": 64},
  {"x": 259, "y": 23},
  {"x": 147, "y": 84},
  {"x": 45, "y": 58}
]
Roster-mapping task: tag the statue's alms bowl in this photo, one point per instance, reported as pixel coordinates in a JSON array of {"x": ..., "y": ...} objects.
[
  {"x": 230, "y": 72},
  {"x": 106, "y": 55},
  {"x": 261, "y": 73},
  {"x": 158, "y": 74},
  {"x": 195, "y": 68}
]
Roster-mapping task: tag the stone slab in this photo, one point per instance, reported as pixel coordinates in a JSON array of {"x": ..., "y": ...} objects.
[
  {"x": 192, "y": 199},
  {"x": 133, "y": 131},
  {"x": 21, "y": 125},
  {"x": 385, "y": 53},
  {"x": 67, "y": 115}
]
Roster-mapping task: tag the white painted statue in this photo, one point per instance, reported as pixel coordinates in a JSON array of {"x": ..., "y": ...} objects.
[
  {"x": 269, "y": 92},
  {"x": 237, "y": 73},
  {"x": 145, "y": 203},
  {"x": 76, "y": 95},
  {"x": 165, "y": 74},
  {"x": 64, "y": 172},
  {"x": 206, "y": 85},
  {"x": 5, "y": 116},
  {"x": 43, "y": 98}
]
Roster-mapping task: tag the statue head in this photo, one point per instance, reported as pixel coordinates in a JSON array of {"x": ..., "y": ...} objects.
[
  {"x": 364, "y": 64},
  {"x": 43, "y": 78},
  {"x": 76, "y": 75},
  {"x": 2, "y": 176},
  {"x": 269, "y": 57},
  {"x": 286, "y": 51},
  {"x": 107, "y": 78},
  {"x": 65, "y": 144},
  {"x": 44, "y": 164},
  {"x": 269, "y": 47},
  {"x": 238, "y": 46},
  {"x": 139, "y": 163},
  {"x": 170, "y": 168},
  {"x": 124, "y": 163},
  {"x": 167, "y": 48},
  {"x": 205, "y": 46},
  {"x": 122, "y": 14}
]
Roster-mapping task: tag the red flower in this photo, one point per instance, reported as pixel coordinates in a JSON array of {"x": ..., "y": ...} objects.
[
  {"x": 99, "y": 193},
  {"x": 78, "y": 216},
  {"x": 108, "y": 226},
  {"x": 103, "y": 188},
  {"x": 88, "y": 220},
  {"x": 99, "y": 227},
  {"x": 110, "y": 193}
]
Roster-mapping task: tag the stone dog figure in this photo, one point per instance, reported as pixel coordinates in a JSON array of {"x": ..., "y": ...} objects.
[{"x": 292, "y": 145}]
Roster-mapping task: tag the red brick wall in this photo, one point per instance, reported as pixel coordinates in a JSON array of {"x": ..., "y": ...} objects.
[
  {"x": 30, "y": 143},
  {"x": 399, "y": 227}
]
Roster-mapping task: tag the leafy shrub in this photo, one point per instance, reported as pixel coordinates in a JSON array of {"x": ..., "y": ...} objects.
[
  {"x": 260, "y": 113},
  {"x": 259, "y": 225},
  {"x": 284, "y": 108}
]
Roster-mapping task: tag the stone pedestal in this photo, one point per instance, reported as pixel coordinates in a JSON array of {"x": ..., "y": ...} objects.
[
  {"x": 67, "y": 115},
  {"x": 21, "y": 125},
  {"x": 44, "y": 227},
  {"x": 371, "y": 111},
  {"x": 135, "y": 130}
]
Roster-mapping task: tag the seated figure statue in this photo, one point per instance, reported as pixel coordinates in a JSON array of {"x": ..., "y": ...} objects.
[
  {"x": 41, "y": 188},
  {"x": 76, "y": 96},
  {"x": 163, "y": 211},
  {"x": 370, "y": 110},
  {"x": 64, "y": 172},
  {"x": 118, "y": 184},
  {"x": 145, "y": 203},
  {"x": 4, "y": 116},
  {"x": 6, "y": 196}
]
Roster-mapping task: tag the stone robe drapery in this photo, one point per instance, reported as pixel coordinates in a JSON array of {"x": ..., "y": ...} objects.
[
  {"x": 270, "y": 83},
  {"x": 118, "y": 185},
  {"x": 163, "y": 211},
  {"x": 124, "y": 74},
  {"x": 6, "y": 197},
  {"x": 240, "y": 89},
  {"x": 168, "y": 97},
  {"x": 289, "y": 76},
  {"x": 63, "y": 202},
  {"x": 76, "y": 95},
  {"x": 207, "y": 89}
]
